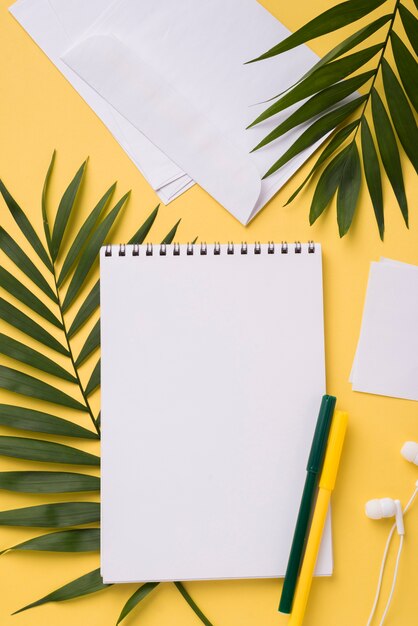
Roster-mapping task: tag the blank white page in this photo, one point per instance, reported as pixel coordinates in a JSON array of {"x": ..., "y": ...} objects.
[
  {"x": 386, "y": 361},
  {"x": 212, "y": 376}
]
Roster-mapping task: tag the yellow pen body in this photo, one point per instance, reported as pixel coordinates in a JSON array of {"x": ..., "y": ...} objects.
[
  {"x": 326, "y": 486},
  {"x": 309, "y": 560}
]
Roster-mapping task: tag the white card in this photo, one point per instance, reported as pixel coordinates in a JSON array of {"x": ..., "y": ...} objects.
[{"x": 386, "y": 361}]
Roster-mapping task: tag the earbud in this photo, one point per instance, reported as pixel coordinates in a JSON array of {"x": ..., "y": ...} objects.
[
  {"x": 386, "y": 507},
  {"x": 410, "y": 451}
]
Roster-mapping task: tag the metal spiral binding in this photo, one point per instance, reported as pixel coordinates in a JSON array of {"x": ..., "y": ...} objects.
[{"x": 202, "y": 248}]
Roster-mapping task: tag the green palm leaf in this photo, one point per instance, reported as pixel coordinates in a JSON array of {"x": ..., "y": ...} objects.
[
  {"x": 142, "y": 232},
  {"x": 91, "y": 344},
  {"x": 16, "y": 289},
  {"x": 348, "y": 189},
  {"x": 64, "y": 211},
  {"x": 48, "y": 482},
  {"x": 81, "y": 256},
  {"x": 341, "y": 48},
  {"x": 316, "y": 105},
  {"x": 316, "y": 131},
  {"x": 89, "y": 583},
  {"x": 57, "y": 515},
  {"x": 94, "y": 380},
  {"x": 402, "y": 115},
  {"x": 45, "y": 451},
  {"x": 192, "y": 604},
  {"x": 336, "y": 141},
  {"x": 25, "y": 226},
  {"x": 407, "y": 68},
  {"x": 171, "y": 234},
  {"x": 91, "y": 252},
  {"x": 324, "y": 83},
  {"x": 389, "y": 151},
  {"x": 83, "y": 235},
  {"x": 13, "y": 316},
  {"x": 75, "y": 540},
  {"x": 372, "y": 174},
  {"x": 332, "y": 19},
  {"x": 23, "y": 262},
  {"x": 90, "y": 304},
  {"x": 26, "y": 385},
  {"x": 135, "y": 599},
  {"x": 322, "y": 78},
  {"x": 23, "y": 353},
  {"x": 44, "y": 202},
  {"x": 327, "y": 185},
  {"x": 37, "y": 421},
  {"x": 410, "y": 24}
]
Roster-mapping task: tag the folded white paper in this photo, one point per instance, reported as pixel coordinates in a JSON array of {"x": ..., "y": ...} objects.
[
  {"x": 386, "y": 360},
  {"x": 54, "y": 25},
  {"x": 176, "y": 71}
]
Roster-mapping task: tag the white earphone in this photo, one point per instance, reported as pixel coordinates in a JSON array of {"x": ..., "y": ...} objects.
[
  {"x": 386, "y": 507},
  {"x": 410, "y": 452}
]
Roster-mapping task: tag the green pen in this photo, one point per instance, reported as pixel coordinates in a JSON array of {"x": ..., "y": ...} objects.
[{"x": 313, "y": 469}]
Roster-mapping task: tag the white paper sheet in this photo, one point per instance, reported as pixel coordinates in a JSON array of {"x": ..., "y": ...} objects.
[
  {"x": 54, "y": 25},
  {"x": 212, "y": 376},
  {"x": 176, "y": 71},
  {"x": 386, "y": 360}
]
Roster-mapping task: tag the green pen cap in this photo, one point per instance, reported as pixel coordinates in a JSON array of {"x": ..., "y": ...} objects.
[{"x": 317, "y": 453}]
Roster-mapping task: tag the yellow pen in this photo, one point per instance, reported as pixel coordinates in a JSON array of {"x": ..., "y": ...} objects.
[{"x": 326, "y": 485}]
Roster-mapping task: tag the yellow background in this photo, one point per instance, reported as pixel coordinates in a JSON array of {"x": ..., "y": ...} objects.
[{"x": 40, "y": 111}]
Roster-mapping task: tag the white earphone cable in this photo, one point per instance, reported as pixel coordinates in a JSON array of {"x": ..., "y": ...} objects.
[
  {"x": 382, "y": 567},
  {"x": 395, "y": 575}
]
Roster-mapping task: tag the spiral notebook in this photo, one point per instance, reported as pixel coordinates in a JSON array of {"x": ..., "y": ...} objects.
[{"x": 212, "y": 373}]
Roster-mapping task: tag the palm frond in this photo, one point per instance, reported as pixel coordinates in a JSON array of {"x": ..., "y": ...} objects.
[
  {"x": 332, "y": 19},
  {"x": 192, "y": 604},
  {"x": 86, "y": 584},
  {"x": 41, "y": 314},
  {"x": 87, "y": 308},
  {"x": 329, "y": 82},
  {"x": 135, "y": 599},
  {"x": 21, "y": 418},
  {"x": 74, "y": 540},
  {"x": 45, "y": 451},
  {"x": 64, "y": 211},
  {"x": 48, "y": 482},
  {"x": 90, "y": 345},
  {"x": 56, "y": 515}
]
